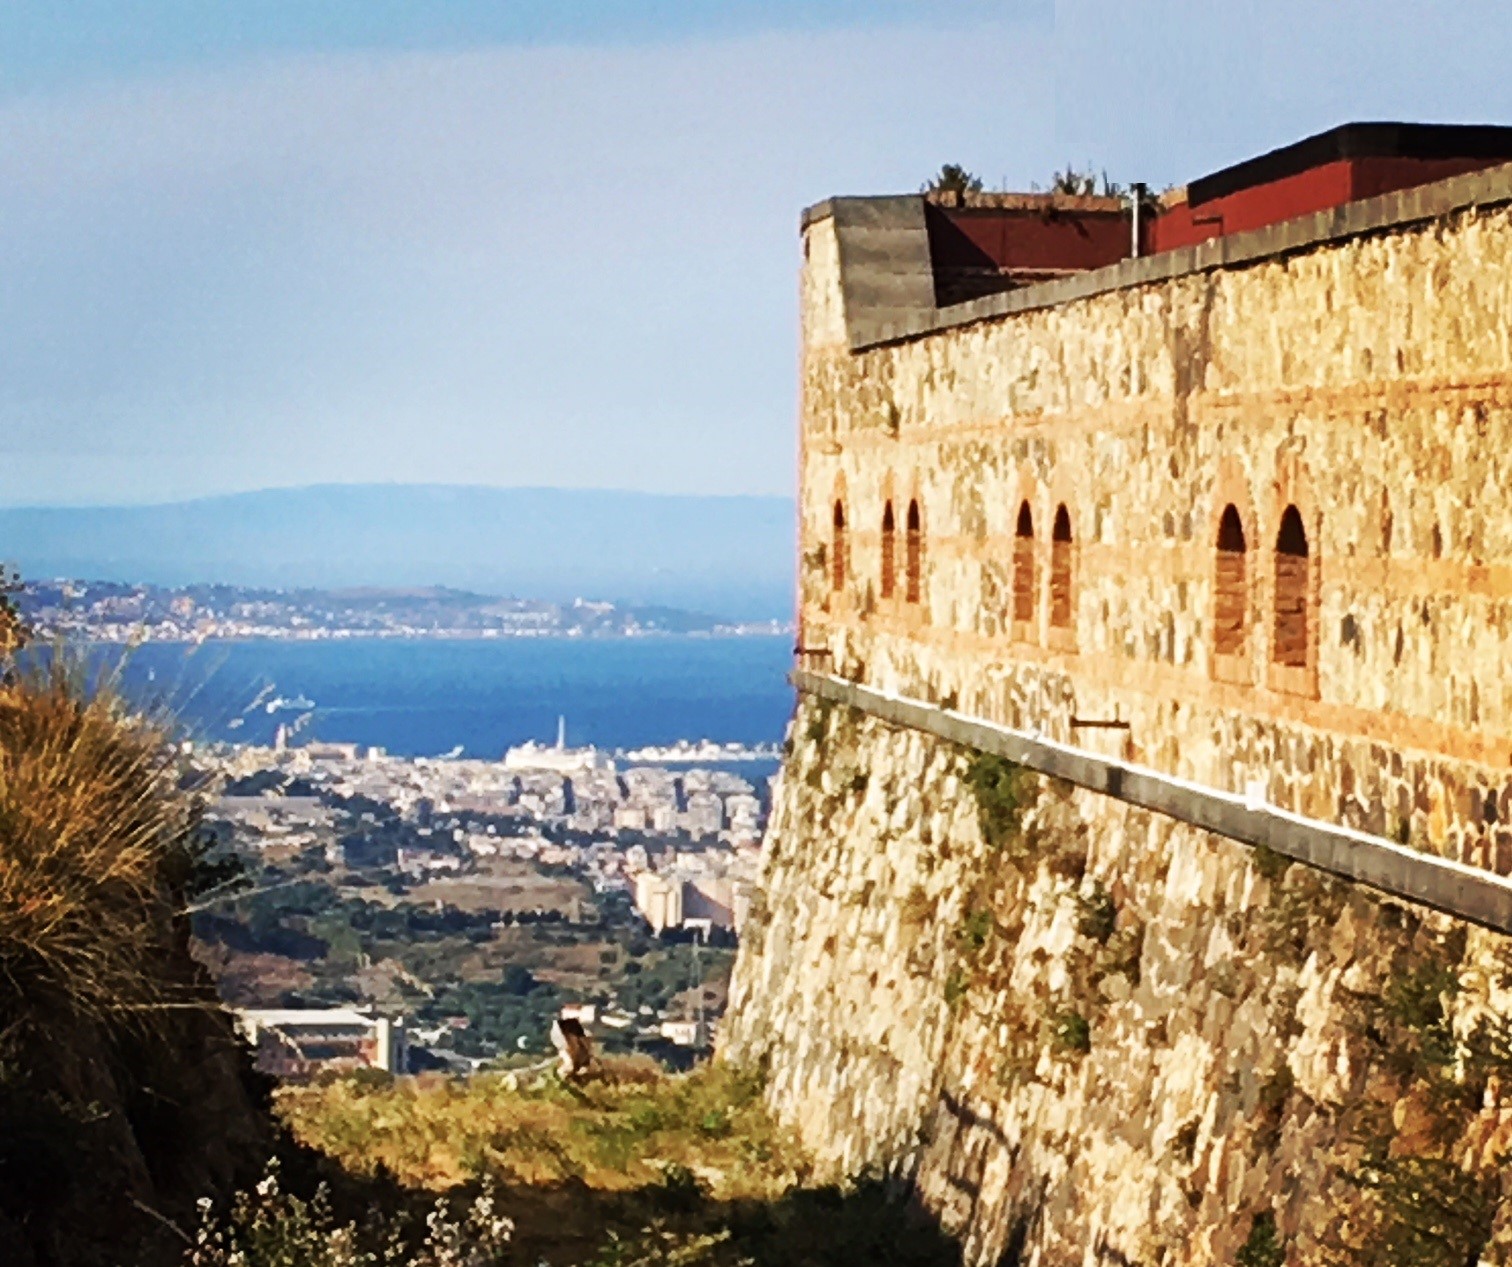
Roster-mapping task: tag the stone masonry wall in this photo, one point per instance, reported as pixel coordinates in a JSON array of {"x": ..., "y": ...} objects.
[
  {"x": 1087, "y": 1033},
  {"x": 1365, "y": 383},
  {"x": 1090, "y": 1034}
]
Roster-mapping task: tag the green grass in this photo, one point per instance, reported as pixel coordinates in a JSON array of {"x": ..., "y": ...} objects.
[{"x": 635, "y": 1167}]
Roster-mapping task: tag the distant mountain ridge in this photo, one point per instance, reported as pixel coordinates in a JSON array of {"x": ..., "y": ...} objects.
[{"x": 731, "y": 556}]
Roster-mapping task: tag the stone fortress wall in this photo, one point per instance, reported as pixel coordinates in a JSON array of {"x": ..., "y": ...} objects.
[
  {"x": 1086, "y": 1032},
  {"x": 1367, "y": 384}
]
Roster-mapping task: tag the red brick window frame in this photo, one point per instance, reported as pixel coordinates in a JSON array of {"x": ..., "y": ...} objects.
[
  {"x": 889, "y": 551},
  {"x": 1062, "y": 581},
  {"x": 1025, "y": 583},
  {"x": 837, "y": 548},
  {"x": 914, "y": 554},
  {"x": 1293, "y": 666},
  {"x": 1231, "y": 599}
]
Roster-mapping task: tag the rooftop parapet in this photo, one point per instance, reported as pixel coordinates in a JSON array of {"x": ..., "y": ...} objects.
[{"x": 914, "y": 264}]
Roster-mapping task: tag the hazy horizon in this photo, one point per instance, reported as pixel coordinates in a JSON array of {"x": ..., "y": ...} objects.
[
  {"x": 730, "y": 555},
  {"x": 397, "y": 485},
  {"x": 556, "y": 246}
]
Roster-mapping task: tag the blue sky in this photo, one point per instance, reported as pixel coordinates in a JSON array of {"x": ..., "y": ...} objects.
[
  {"x": 251, "y": 244},
  {"x": 47, "y": 42}
]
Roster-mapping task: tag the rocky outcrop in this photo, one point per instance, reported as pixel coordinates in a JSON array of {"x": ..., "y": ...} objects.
[{"x": 1087, "y": 1033}]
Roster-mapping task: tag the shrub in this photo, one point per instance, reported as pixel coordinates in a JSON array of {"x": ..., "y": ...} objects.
[
  {"x": 1001, "y": 791},
  {"x": 268, "y": 1227},
  {"x": 99, "y": 846},
  {"x": 1096, "y": 914},
  {"x": 974, "y": 930},
  {"x": 715, "y": 1124},
  {"x": 1270, "y": 864},
  {"x": 1429, "y": 1212},
  {"x": 1073, "y": 1032},
  {"x": 1262, "y": 1248}
]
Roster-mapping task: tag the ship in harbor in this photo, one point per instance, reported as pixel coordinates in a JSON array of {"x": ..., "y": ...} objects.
[
  {"x": 703, "y": 752},
  {"x": 558, "y": 757}
]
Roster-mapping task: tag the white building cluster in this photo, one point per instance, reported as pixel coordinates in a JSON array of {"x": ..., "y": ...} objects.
[{"x": 555, "y": 805}]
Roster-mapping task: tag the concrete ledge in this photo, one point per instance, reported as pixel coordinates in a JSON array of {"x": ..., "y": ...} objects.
[
  {"x": 912, "y": 314},
  {"x": 1468, "y": 893}
]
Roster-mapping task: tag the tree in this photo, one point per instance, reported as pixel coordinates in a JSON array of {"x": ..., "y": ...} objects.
[
  {"x": 1085, "y": 184},
  {"x": 14, "y": 633},
  {"x": 955, "y": 180},
  {"x": 517, "y": 980}
]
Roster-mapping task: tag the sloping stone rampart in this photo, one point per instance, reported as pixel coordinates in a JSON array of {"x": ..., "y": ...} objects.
[{"x": 1108, "y": 1037}]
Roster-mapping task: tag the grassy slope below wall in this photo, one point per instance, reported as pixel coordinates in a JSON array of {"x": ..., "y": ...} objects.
[{"x": 1081, "y": 1029}]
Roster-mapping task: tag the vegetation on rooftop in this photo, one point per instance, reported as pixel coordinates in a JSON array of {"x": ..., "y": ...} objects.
[{"x": 952, "y": 178}]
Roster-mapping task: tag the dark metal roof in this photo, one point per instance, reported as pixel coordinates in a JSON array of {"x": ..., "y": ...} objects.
[{"x": 1358, "y": 140}]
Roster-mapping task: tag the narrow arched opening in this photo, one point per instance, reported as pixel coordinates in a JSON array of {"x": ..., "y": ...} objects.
[
  {"x": 1023, "y": 566},
  {"x": 915, "y": 553},
  {"x": 1290, "y": 645},
  {"x": 1062, "y": 597},
  {"x": 1231, "y": 586},
  {"x": 889, "y": 552},
  {"x": 837, "y": 548}
]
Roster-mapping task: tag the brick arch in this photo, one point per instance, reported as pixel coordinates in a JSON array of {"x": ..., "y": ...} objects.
[
  {"x": 1062, "y": 569},
  {"x": 1029, "y": 526},
  {"x": 888, "y": 518},
  {"x": 914, "y": 539},
  {"x": 1292, "y": 540},
  {"x": 1064, "y": 525},
  {"x": 1233, "y": 539},
  {"x": 842, "y": 522}
]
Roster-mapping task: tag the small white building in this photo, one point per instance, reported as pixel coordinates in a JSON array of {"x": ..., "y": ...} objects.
[{"x": 297, "y": 1042}]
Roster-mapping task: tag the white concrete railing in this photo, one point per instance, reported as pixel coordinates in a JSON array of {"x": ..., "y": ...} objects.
[{"x": 1470, "y": 893}]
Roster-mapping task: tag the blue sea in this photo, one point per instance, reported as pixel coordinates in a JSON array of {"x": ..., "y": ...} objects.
[{"x": 424, "y": 697}]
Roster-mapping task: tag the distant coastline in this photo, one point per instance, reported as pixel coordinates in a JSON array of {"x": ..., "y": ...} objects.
[
  {"x": 118, "y": 613},
  {"x": 729, "y": 556},
  {"x": 130, "y": 637}
]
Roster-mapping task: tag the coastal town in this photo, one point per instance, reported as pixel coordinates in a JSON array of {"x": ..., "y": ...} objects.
[
  {"x": 113, "y": 612},
  {"x": 468, "y": 904}
]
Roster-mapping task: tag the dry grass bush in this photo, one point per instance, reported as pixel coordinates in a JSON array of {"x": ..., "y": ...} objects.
[
  {"x": 124, "y": 1094},
  {"x": 96, "y": 840}
]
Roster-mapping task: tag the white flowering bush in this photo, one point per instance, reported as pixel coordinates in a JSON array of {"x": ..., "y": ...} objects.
[{"x": 269, "y": 1227}]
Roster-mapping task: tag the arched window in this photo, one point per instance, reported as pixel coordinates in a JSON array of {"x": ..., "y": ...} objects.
[
  {"x": 889, "y": 552},
  {"x": 1023, "y": 566},
  {"x": 915, "y": 548},
  {"x": 1291, "y": 633},
  {"x": 837, "y": 545},
  {"x": 1061, "y": 604},
  {"x": 1231, "y": 586}
]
